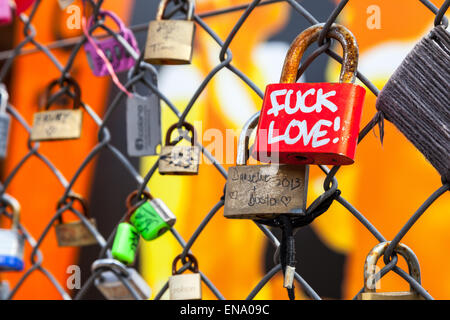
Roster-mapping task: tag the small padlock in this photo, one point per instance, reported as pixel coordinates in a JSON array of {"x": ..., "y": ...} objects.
[
  {"x": 179, "y": 159},
  {"x": 61, "y": 124},
  {"x": 263, "y": 191},
  {"x": 12, "y": 240},
  {"x": 125, "y": 243},
  {"x": 370, "y": 268},
  {"x": 151, "y": 219},
  {"x": 114, "y": 51},
  {"x": 185, "y": 286},
  {"x": 143, "y": 119},
  {"x": 312, "y": 123},
  {"x": 170, "y": 41},
  {"x": 112, "y": 287},
  {"x": 415, "y": 98},
  {"x": 75, "y": 234},
  {"x": 4, "y": 289},
  {"x": 5, "y": 12},
  {"x": 5, "y": 120}
]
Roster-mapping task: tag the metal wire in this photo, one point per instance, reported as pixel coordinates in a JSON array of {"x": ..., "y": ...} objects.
[{"x": 104, "y": 142}]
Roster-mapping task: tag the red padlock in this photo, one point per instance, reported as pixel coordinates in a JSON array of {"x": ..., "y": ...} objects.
[{"x": 312, "y": 123}]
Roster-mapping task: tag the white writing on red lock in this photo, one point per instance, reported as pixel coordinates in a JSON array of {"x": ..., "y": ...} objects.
[{"x": 317, "y": 131}]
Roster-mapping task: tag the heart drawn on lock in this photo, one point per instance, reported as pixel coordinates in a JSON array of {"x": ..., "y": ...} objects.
[{"x": 285, "y": 200}]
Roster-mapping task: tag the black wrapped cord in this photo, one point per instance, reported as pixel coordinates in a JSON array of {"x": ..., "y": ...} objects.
[{"x": 287, "y": 250}]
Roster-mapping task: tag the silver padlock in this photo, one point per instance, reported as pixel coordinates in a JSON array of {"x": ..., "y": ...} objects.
[
  {"x": 12, "y": 240},
  {"x": 4, "y": 290},
  {"x": 5, "y": 120},
  {"x": 114, "y": 288},
  {"x": 185, "y": 286}
]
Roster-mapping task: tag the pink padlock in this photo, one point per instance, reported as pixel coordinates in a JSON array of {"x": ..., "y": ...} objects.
[
  {"x": 5, "y": 12},
  {"x": 118, "y": 56}
]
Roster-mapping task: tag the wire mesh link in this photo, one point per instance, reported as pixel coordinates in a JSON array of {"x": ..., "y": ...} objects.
[{"x": 137, "y": 75}]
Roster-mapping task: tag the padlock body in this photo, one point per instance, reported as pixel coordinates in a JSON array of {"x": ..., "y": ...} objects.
[
  {"x": 152, "y": 219},
  {"x": 309, "y": 123},
  {"x": 179, "y": 160},
  {"x": 5, "y": 120},
  {"x": 11, "y": 250},
  {"x": 119, "y": 58},
  {"x": 265, "y": 191},
  {"x": 407, "y": 295},
  {"x": 169, "y": 42},
  {"x": 5, "y": 12},
  {"x": 74, "y": 234},
  {"x": 63, "y": 124},
  {"x": 113, "y": 289},
  {"x": 185, "y": 287},
  {"x": 125, "y": 243}
]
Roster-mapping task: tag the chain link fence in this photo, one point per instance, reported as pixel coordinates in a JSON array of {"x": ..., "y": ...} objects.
[{"x": 137, "y": 75}]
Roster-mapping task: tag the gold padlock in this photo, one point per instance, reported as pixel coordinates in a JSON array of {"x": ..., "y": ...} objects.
[
  {"x": 179, "y": 159},
  {"x": 75, "y": 234},
  {"x": 370, "y": 268},
  {"x": 170, "y": 41},
  {"x": 263, "y": 191},
  {"x": 61, "y": 124},
  {"x": 185, "y": 286}
]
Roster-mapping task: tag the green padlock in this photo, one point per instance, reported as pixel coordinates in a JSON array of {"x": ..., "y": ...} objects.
[
  {"x": 125, "y": 243},
  {"x": 152, "y": 219}
]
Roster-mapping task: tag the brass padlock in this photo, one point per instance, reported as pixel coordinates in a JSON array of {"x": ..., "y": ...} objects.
[
  {"x": 178, "y": 159},
  {"x": 185, "y": 286},
  {"x": 170, "y": 41},
  {"x": 75, "y": 234},
  {"x": 370, "y": 268},
  {"x": 61, "y": 124},
  {"x": 263, "y": 191},
  {"x": 111, "y": 282}
]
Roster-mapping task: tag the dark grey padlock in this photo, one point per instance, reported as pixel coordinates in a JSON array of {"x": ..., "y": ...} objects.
[
  {"x": 143, "y": 119},
  {"x": 416, "y": 98},
  {"x": 112, "y": 287},
  {"x": 5, "y": 120}
]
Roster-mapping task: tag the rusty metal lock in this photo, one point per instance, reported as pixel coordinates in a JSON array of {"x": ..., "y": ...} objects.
[
  {"x": 112, "y": 283},
  {"x": 312, "y": 123},
  {"x": 185, "y": 286},
  {"x": 369, "y": 274},
  {"x": 12, "y": 241},
  {"x": 178, "y": 159},
  {"x": 170, "y": 41},
  {"x": 263, "y": 191},
  {"x": 75, "y": 234},
  {"x": 61, "y": 124}
]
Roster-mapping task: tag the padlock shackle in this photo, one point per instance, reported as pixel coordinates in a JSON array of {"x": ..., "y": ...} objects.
[
  {"x": 188, "y": 126},
  {"x": 4, "y": 96},
  {"x": 190, "y": 257},
  {"x": 163, "y": 5},
  {"x": 310, "y": 35},
  {"x": 76, "y": 198},
  {"x": 71, "y": 84},
  {"x": 131, "y": 208},
  {"x": 111, "y": 264},
  {"x": 378, "y": 251},
  {"x": 110, "y": 14},
  {"x": 12, "y": 202},
  {"x": 244, "y": 138}
]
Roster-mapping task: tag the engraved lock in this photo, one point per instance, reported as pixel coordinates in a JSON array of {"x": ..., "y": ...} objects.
[
  {"x": 415, "y": 98},
  {"x": 369, "y": 274},
  {"x": 312, "y": 123},
  {"x": 263, "y": 191},
  {"x": 5, "y": 12},
  {"x": 126, "y": 240},
  {"x": 151, "y": 219},
  {"x": 143, "y": 119},
  {"x": 12, "y": 240},
  {"x": 114, "y": 50},
  {"x": 112, "y": 282},
  {"x": 185, "y": 286},
  {"x": 76, "y": 233},
  {"x": 61, "y": 124},
  {"x": 5, "y": 121},
  {"x": 178, "y": 159},
  {"x": 170, "y": 41}
]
